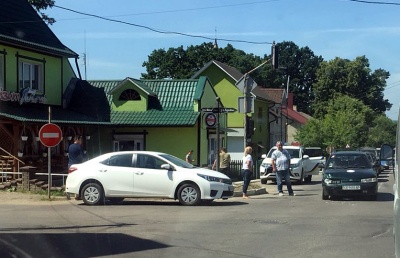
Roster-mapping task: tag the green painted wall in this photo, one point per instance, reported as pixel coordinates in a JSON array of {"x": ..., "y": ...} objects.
[
  {"x": 119, "y": 105},
  {"x": 57, "y": 73}
]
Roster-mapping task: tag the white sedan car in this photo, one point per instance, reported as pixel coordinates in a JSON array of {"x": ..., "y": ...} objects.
[{"x": 129, "y": 174}]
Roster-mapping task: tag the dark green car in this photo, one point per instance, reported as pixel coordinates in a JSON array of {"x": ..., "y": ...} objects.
[{"x": 349, "y": 174}]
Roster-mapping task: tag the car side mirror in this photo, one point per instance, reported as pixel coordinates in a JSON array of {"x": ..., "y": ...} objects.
[
  {"x": 166, "y": 166},
  {"x": 263, "y": 156},
  {"x": 306, "y": 157}
]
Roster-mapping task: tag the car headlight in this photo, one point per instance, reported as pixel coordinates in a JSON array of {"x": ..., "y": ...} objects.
[
  {"x": 266, "y": 165},
  {"x": 295, "y": 165},
  {"x": 368, "y": 180},
  {"x": 331, "y": 181},
  {"x": 211, "y": 178}
]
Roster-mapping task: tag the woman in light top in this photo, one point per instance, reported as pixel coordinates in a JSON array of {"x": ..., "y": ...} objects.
[{"x": 247, "y": 170}]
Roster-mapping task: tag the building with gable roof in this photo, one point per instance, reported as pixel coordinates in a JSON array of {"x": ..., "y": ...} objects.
[
  {"x": 36, "y": 77},
  {"x": 224, "y": 78}
]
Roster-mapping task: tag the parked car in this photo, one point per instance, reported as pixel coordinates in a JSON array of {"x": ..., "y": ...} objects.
[
  {"x": 302, "y": 168},
  {"x": 118, "y": 175},
  {"x": 349, "y": 174}
]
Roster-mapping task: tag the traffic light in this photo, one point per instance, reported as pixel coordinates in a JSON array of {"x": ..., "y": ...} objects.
[
  {"x": 274, "y": 56},
  {"x": 249, "y": 127}
]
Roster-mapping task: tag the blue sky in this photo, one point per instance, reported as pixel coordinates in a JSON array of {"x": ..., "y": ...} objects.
[{"x": 330, "y": 28}]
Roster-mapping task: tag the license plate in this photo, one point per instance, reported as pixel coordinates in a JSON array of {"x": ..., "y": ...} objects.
[{"x": 351, "y": 187}]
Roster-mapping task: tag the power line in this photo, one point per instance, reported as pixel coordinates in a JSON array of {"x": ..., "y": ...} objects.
[
  {"x": 373, "y": 2},
  {"x": 160, "y": 31}
]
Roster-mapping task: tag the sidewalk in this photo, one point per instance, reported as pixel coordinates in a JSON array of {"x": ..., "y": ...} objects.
[{"x": 255, "y": 188}]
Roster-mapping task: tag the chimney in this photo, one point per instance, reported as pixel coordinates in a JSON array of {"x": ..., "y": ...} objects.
[{"x": 290, "y": 100}]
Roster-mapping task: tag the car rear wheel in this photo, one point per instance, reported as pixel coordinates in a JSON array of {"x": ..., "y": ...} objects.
[
  {"x": 308, "y": 179},
  {"x": 92, "y": 194},
  {"x": 264, "y": 181},
  {"x": 189, "y": 194}
]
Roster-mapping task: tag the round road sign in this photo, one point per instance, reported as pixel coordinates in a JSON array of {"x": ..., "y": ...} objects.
[
  {"x": 50, "y": 135},
  {"x": 211, "y": 119}
]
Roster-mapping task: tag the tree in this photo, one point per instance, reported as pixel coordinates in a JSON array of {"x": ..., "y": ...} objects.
[
  {"x": 352, "y": 78},
  {"x": 43, "y": 5},
  {"x": 301, "y": 65},
  {"x": 347, "y": 121},
  {"x": 383, "y": 131},
  {"x": 178, "y": 63}
]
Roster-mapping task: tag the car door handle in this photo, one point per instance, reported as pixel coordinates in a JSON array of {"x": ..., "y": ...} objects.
[
  {"x": 139, "y": 173},
  {"x": 103, "y": 170}
]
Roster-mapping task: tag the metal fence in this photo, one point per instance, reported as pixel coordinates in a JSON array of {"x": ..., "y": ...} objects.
[{"x": 236, "y": 168}]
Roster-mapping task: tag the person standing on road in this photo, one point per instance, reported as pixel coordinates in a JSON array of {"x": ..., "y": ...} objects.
[
  {"x": 224, "y": 161},
  {"x": 247, "y": 170},
  {"x": 75, "y": 156},
  {"x": 280, "y": 165}
]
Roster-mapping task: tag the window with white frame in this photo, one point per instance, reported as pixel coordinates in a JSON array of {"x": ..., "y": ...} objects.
[{"x": 30, "y": 75}]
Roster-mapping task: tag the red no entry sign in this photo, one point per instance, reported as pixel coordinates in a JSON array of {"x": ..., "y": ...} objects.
[
  {"x": 210, "y": 119},
  {"x": 50, "y": 135}
]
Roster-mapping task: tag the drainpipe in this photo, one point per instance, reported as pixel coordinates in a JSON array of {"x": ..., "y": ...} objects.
[{"x": 77, "y": 68}]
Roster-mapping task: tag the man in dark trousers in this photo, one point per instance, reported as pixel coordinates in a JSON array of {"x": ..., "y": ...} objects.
[{"x": 75, "y": 155}]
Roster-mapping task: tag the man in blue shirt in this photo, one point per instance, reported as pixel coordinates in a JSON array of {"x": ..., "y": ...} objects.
[{"x": 280, "y": 165}]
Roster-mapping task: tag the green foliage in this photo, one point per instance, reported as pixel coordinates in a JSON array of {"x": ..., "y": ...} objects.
[
  {"x": 352, "y": 78},
  {"x": 178, "y": 63},
  {"x": 347, "y": 121},
  {"x": 383, "y": 131},
  {"x": 43, "y": 5}
]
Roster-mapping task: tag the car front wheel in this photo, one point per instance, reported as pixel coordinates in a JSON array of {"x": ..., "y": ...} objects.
[
  {"x": 189, "y": 194},
  {"x": 92, "y": 194},
  {"x": 325, "y": 196}
]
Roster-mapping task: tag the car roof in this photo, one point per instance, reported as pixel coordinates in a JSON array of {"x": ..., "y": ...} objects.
[{"x": 348, "y": 153}]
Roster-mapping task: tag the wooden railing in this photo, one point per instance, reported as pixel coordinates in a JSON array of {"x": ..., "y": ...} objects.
[{"x": 7, "y": 165}]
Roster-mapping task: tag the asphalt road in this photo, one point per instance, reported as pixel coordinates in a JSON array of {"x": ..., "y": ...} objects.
[{"x": 264, "y": 226}]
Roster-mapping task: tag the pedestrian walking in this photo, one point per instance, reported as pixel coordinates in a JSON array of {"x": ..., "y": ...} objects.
[
  {"x": 224, "y": 161},
  {"x": 247, "y": 170},
  {"x": 280, "y": 165}
]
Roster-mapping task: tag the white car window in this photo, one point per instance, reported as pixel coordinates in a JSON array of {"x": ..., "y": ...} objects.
[{"x": 120, "y": 160}]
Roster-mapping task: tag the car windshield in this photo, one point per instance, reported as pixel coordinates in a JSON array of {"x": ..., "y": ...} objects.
[
  {"x": 348, "y": 161},
  {"x": 177, "y": 161}
]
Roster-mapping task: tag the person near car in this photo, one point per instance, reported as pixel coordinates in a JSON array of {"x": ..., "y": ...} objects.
[
  {"x": 224, "y": 161},
  {"x": 75, "y": 152},
  {"x": 280, "y": 165},
  {"x": 247, "y": 170},
  {"x": 75, "y": 155},
  {"x": 189, "y": 157}
]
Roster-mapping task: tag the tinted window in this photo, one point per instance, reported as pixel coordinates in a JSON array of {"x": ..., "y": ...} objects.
[
  {"x": 148, "y": 161},
  {"x": 121, "y": 160},
  {"x": 313, "y": 152}
]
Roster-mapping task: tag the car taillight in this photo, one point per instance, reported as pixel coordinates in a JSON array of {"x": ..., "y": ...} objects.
[{"x": 72, "y": 169}]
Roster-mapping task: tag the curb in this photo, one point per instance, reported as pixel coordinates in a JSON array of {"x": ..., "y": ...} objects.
[{"x": 251, "y": 192}]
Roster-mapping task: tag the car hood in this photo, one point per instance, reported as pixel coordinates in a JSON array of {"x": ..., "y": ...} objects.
[
  {"x": 207, "y": 172},
  {"x": 292, "y": 160},
  {"x": 349, "y": 173}
]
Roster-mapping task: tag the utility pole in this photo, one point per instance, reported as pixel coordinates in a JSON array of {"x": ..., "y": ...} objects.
[{"x": 218, "y": 131}]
